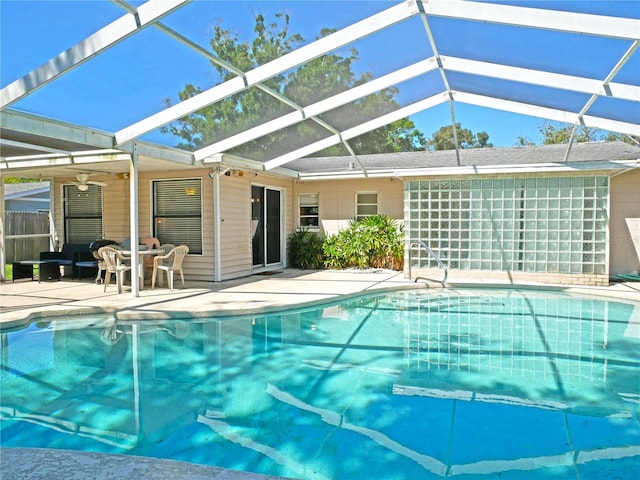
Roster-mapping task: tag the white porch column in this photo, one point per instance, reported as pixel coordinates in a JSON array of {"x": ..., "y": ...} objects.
[
  {"x": 133, "y": 215},
  {"x": 3, "y": 254},
  {"x": 54, "y": 238},
  {"x": 217, "y": 224}
]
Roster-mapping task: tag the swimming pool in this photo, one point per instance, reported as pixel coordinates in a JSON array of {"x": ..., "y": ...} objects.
[{"x": 402, "y": 385}]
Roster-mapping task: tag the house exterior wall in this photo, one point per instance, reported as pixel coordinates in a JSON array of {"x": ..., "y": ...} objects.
[
  {"x": 624, "y": 226},
  {"x": 196, "y": 266},
  {"x": 235, "y": 219},
  {"x": 116, "y": 214},
  {"x": 337, "y": 200},
  {"x": 337, "y": 203}
]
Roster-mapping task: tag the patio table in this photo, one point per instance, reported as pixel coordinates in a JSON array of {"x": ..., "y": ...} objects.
[
  {"x": 141, "y": 257},
  {"x": 47, "y": 269}
]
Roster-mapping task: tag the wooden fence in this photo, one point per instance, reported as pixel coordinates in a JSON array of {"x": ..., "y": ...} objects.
[{"x": 24, "y": 225}]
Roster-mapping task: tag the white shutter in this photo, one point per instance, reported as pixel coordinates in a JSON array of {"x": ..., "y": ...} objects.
[
  {"x": 177, "y": 212},
  {"x": 83, "y": 214}
]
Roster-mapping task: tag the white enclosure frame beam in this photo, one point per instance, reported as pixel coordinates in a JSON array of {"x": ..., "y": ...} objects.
[
  {"x": 581, "y": 23},
  {"x": 3, "y": 252},
  {"x": 45, "y": 160},
  {"x": 318, "y": 108},
  {"x": 357, "y": 130},
  {"x": 543, "y": 78},
  {"x": 264, "y": 72},
  {"x": 93, "y": 45},
  {"x": 137, "y": 270},
  {"x": 31, "y": 146},
  {"x": 45, "y": 127},
  {"x": 545, "y": 112},
  {"x": 447, "y": 85}
]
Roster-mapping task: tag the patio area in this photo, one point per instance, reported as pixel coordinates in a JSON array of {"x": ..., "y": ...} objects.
[{"x": 25, "y": 300}]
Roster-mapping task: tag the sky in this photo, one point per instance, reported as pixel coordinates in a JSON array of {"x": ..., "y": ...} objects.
[{"x": 133, "y": 79}]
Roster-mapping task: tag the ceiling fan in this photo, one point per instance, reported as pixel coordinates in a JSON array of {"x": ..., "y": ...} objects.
[{"x": 83, "y": 182}]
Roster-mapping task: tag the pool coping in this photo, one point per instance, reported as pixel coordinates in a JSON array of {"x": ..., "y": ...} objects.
[
  {"x": 24, "y": 302},
  {"x": 45, "y": 464}
]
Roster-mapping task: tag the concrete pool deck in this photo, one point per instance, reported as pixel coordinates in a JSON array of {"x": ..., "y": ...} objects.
[{"x": 25, "y": 300}]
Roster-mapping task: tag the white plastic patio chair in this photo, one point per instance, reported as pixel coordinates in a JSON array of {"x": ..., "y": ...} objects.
[
  {"x": 171, "y": 262},
  {"x": 114, "y": 263}
]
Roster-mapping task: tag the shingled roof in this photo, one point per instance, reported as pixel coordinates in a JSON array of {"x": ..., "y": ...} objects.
[{"x": 583, "y": 156}]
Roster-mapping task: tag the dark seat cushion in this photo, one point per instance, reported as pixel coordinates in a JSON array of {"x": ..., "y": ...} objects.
[{"x": 70, "y": 254}]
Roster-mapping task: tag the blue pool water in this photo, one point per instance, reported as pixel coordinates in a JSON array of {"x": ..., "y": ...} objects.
[{"x": 404, "y": 385}]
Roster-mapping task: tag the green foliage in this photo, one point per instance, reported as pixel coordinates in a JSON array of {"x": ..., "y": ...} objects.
[
  {"x": 8, "y": 180},
  {"x": 524, "y": 142},
  {"x": 621, "y": 137},
  {"x": 305, "y": 249},
  {"x": 554, "y": 133},
  {"x": 315, "y": 80},
  {"x": 373, "y": 242},
  {"x": 443, "y": 139}
]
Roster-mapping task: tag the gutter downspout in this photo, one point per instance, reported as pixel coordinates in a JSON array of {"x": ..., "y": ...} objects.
[{"x": 133, "y": 212}]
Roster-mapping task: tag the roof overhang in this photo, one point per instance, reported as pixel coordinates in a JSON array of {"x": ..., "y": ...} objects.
[
  {"x": 34, "y": 146},
  {"x": 606, "y": 167}
]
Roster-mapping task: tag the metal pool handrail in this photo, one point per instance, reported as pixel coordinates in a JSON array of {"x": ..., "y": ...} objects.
[{"x": 433, "y": 254}]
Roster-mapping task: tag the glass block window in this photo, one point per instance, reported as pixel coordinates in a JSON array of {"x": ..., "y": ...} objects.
[
  {"x": 177, "y": 212},
  {"x": 366, "y": 204},
  {"x": 309, "y": 213},
  {"x": 82, "y": 214},
  {"x": 553, "y": 225}
]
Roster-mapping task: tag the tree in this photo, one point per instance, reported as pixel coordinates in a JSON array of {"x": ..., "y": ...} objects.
[
  {"x": 621, "y": 137},
  {"x": 558, "y": 133},
  {"x": 309, "y": 83},
  {"x": 443, "y": 139},
  {"x": 524, "y": 142},
  {"x": 554, "y": 134}
]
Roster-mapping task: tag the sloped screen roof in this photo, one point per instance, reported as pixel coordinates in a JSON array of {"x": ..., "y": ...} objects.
[{"x": 575, "y": 62}]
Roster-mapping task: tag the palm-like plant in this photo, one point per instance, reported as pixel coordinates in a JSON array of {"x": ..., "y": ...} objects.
[
  {"x": 375, "y": 241},
  {"x": 305, "y": 249}
]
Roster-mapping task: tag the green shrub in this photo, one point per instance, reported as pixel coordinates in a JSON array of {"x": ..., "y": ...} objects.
[
  {"x": 305, "y": 250},
  {"x": 375, "y": 241}
]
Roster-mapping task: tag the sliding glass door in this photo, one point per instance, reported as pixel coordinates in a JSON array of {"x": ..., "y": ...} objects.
[{"x": 266, "y": 224}]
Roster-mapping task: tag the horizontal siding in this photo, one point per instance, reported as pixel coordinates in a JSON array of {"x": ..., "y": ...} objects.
[
  {"x": 235, "y": 227},
  {"x": 624, "y": 226},
  {"x": 337, "y": 206},
  {"x": 236, "y": 235},
  {"x": 337, "y": 200},
  {"x": 196, "y": 266},
  {"x": 115, "y": 208}
]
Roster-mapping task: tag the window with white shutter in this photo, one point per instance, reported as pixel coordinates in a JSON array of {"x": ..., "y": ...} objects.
[
  {"x": 177, "y": 212},
  {"x": 82, "y": 214}
]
